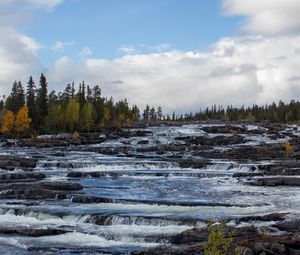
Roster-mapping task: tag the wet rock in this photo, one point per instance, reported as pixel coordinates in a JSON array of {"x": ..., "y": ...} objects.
[
  {"x": 224, "y": 129},
  {"x": 193, "y": 235},
  {"x": 276, "y": 181},
  {"x": 212, "y": 141},
  {"x": 33, "y": 232},
  {"x": 247, "y": 174},
  {"x": 194, "y": 163},
  {"x": 268, "y": 217},
  {"x": 143, "y": 142},
  {"x": 280, "y": 170},
  {"x": 60, "y": 186},
  {"x": 32, "y": 193},
  {"x": 90, "y": 199},
  {"x": 21, "y": 177},
  {"x": 12, "y": 162},
  {"x": 288, "y": 225}
]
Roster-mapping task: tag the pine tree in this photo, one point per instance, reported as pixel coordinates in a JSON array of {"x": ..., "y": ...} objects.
[
  {"x": 81, "y": 95},
  {"x": 89, "y": 94},
  {"x": 67, "y": 94},
  {"x": 31, "y": 100},
  {"x": 159, "y": 113},
  {"x": 152, "y": 114},
  {"x": 20, "y": 95},
  {"x": 146, "y": 114},
  {"x": 98, "y": 103},
  {"x": 42, "y": 99},
  {"x": 72, "y": 90}
]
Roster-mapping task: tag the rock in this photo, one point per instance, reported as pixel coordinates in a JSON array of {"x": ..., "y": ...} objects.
[
  {"x": 193, "y": 235},
  {"x": 60, "y": 186},
  {"x": 21, "y": 177},
  {"x": 90, "y": 199},
  {"x": 288, "y": 225},
  {"x": 32, "y": 193},
  {"x": 12, "y": 162},
  {"x": 224, "y": 129},
  {"x": 268, "y": 217},
  {"x": 194, "y": 163},
  {"x": 33, "y": 232},
  {"x": 247, "y": 174},
  {"x": 143, "y": 142},
  {"x": 276, "y": 181}
]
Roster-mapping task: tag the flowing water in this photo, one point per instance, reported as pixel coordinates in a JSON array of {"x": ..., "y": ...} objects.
[{"x": 151, "y": 198}]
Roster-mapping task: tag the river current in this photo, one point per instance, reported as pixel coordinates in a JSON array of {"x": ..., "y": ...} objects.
[{"x": 150, "y": 197}]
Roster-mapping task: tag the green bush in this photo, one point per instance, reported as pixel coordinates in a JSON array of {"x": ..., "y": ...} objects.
[{"x": 218, "y": 243}]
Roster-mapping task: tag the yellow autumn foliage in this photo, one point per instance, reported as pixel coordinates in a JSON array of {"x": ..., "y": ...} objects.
[
  {"x": 23, "y": 121},
  {"x": 8, "y": 122}
]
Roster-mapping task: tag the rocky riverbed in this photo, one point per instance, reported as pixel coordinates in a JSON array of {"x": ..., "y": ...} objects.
[{"x": 151, "y": 190}]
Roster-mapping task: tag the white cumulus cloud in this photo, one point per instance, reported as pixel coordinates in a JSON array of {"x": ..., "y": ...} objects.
[
  {"x": 266, "y": 17},
  {"x": 238, "y": 71},
  {"x": 18, "y": 58}
]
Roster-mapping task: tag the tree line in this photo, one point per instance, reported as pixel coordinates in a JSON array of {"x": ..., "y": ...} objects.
[
  {"x": 275, "y": 113},
  {"x": 82, "y": 109}
]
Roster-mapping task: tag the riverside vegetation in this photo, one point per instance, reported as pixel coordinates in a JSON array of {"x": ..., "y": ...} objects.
[{"x": 37, "y": 111}]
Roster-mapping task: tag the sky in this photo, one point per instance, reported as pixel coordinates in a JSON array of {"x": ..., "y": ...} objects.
[{"x": 179, "y": 54}]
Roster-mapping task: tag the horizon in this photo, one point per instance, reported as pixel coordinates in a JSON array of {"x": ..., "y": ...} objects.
[{"x": 156, "y": 52}]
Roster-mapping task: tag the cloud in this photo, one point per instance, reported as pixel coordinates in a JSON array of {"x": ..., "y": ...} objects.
[
  {"x": 127, "y": 50},
  {"x": 18, "y": 58},
  {"x": 266, "y": 17},
  {"x": 59, "y": 46},
  {"x": 143, "y": 49},
  {"x": 43, "y": 4},
  {"x": 237, "y": 71},
  {"x": 18, "y": 12},
  {"x": 86, "y": 52}
]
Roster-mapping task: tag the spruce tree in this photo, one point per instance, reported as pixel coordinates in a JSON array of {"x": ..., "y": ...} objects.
[
  {"x": 16, "y": 99},
  {"x": 42, "y": 99},
  {"x": 31, "y": 99},
  {"x": 20, "y": 95}
]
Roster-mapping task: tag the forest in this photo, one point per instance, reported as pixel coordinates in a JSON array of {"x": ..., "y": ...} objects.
[{"x": 84, "y": 109}]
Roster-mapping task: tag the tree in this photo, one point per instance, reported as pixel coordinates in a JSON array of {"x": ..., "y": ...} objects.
[
  {"x": 31, "y": 100},
  {"x": 250, "y": 117},
  {"x": 135, "y": 113},
  {"x": 20, "y": 95},
  {"x": 72, "y": 114},
  {"x": 98, "y": 103},
  {"x": 106, "y": 114},
  {"x": 56, "y": 118},
  {"x": 173, "y": 116},
  {"x": 67, "y": 94},
  {"x": 87, "y": 114},
  {"x": 42, "y": 99},
  {"x": 146, "y": 114},
  {"x": 159, "y": 113},
  {"x": 152, "y": 114},
  {"x": 8, "y": 122},
  {"x": 81, "y": 95},
  {"x": 23, "y": 120},
  {"x": 16, "y": 99}
]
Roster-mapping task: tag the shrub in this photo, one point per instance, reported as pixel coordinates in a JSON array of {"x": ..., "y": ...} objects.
[{"x": 218, "y": 243}]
